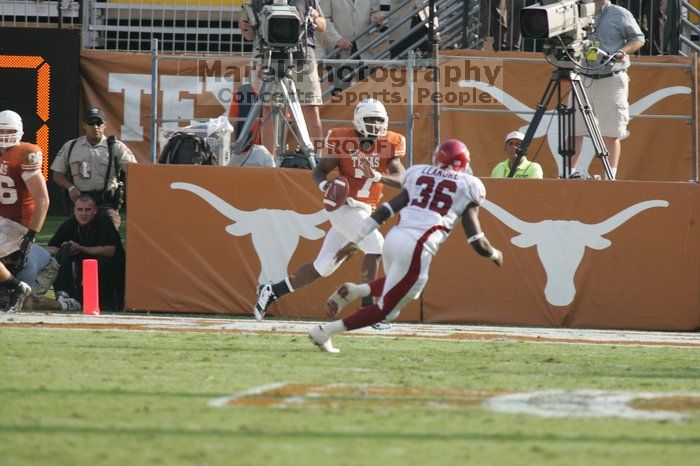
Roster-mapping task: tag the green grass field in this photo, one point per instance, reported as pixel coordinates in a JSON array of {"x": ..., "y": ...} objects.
[{"x": 83, "y": 397}]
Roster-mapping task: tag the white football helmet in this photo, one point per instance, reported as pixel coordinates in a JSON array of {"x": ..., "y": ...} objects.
[
  {"x": 370, "y": 108},
  {"x": 10, "y": 120}
]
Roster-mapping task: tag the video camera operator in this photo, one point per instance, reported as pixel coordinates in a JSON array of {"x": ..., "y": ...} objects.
[
  {"x": 617, "y": 35},
  {"x": 305, "y": 73}
]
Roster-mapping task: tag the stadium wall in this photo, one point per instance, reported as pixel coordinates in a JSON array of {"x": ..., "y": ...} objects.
[{"x": 577, "y": 254}]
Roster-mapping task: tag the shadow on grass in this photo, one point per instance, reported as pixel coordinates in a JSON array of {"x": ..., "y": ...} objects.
[{"x": 344, "y": 435}]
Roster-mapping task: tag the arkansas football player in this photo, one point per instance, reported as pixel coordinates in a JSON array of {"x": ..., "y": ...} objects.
[
  {"x": 367, "y": 157},
  {"x": 432, "y": 200}
]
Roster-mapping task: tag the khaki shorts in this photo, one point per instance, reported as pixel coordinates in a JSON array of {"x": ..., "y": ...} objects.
[
  {"x": 307, "y": 82},
  {"x": 608, "y": 99},
  {"x": 45, "y": 279}
]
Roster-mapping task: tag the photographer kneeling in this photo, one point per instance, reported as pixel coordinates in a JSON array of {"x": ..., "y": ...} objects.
[
  {"x": 87, "y": 235},
  {"x": 305, "y": 75},
  {"x": 91, "y": 165}
]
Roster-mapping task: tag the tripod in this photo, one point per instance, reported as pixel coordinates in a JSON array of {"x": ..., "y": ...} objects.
[
  {"x": 565, "y": 122},
  {"x": 277, "y": 89}
]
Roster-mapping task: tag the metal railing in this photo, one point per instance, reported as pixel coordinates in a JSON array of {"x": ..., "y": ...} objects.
[
  {"x": 689, "y": 28},
  {"x": 45, "y": 14},
  {"x": 185, "y": 25},
  {"x": 211, "y": 26},
  {"x": 666, "y": 24}
]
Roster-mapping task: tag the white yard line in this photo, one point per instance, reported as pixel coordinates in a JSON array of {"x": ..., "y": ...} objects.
[
  {"x": 453, "y": 332},
  {"x": 225, "y": 400}
]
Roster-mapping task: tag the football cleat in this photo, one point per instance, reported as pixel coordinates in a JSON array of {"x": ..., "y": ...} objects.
[
  {"x": 265, "y": 297},
  {"x": 67, "y": 303},
  {"x": 319, "y": 338},
  {"x": 382, "y": 326},
  {"x": 346, "y": 293},
  {"x": 17, "y": 297}
]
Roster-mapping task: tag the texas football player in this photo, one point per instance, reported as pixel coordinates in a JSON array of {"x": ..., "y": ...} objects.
[
  {"x": 23, "y": 199},
  {"x": 367, "y": 157}
]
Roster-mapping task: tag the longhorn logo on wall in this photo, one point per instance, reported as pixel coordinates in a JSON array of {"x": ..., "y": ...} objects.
[
  {"x": 561, "y": 244},
  {"x": 275, "y": 232}
]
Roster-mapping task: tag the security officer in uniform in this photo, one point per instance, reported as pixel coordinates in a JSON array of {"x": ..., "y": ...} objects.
[{"x": 82, "y": 165}]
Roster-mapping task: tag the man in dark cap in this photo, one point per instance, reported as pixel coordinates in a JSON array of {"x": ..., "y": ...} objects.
[{"x": 91, "y": 165}]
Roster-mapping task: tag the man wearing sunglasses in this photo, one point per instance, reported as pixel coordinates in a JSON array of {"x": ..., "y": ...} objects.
[{"x": 91, "y": 165}]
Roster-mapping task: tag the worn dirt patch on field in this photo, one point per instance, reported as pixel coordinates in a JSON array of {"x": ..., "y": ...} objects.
[
  {"x": 286, "y": 395},
  {"x": 668, "y": 403}
]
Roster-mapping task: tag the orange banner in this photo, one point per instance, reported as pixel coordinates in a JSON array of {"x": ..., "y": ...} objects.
[
  {"x": 498, "y": 91},
  {"x": 577, "y": 254}
]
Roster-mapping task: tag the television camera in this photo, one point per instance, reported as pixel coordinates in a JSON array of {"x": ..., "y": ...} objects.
[
  {"x": 564, "y": 26},
  {"x": 279, "y": 24},
  {"x": 280, "y": 30}
]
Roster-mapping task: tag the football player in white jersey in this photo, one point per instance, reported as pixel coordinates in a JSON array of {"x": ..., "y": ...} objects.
[{"x": 432, "y": 200}]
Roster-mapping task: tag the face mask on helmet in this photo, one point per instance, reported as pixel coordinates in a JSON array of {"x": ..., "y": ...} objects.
[
  {"x": 10, "y": 129},
  {"x": 371, "y": 119}
]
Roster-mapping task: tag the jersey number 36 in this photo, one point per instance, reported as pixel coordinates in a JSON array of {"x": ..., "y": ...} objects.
[{"x": 437, "y": 198}]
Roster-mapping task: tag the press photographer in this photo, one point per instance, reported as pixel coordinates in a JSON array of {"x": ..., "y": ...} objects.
[{"x": 274, "y": 23}]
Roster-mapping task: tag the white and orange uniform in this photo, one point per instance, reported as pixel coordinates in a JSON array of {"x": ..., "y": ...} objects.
[
  {"x": 344, "y": 145},
  {"x": 18, "y": 164},
  {"x": 437, "y": 200}
]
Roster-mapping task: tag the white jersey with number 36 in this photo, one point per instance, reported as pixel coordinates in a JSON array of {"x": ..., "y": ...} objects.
[{"x": 437, "y": 199}]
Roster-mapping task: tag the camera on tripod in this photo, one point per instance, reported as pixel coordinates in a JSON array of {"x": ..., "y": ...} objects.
[
  {"x": 564, "y": 26},
  {"x": 282, "y": 39},
  {"x": 280, "y": 24}
]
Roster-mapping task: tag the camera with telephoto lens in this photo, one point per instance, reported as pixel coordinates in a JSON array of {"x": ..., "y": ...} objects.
[
  {"x": 279, "y": 24},
  {"x": 564, "y": 26}
]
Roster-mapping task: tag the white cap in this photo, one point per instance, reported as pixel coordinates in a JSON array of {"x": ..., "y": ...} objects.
[{"x": 515, "y": 135}]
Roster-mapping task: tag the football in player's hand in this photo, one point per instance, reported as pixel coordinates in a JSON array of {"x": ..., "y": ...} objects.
[{"x": 336, "y": 193}]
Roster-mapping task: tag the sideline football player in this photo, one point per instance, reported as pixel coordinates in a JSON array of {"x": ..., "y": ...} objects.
[
  {"x": 431, "y": 202},
  {"x": 367, "y": 157},
  {"x": 23, "y": 199}
]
